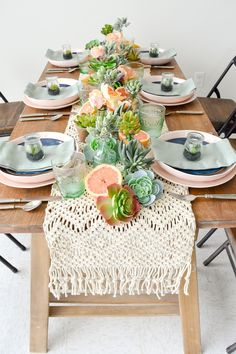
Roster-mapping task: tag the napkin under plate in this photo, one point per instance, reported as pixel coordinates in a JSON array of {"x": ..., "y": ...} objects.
[
  {"x": 13, "y": 156},
  {"x": 214, "y": 155},
  {"x": 182, "y": 89},
  {"x": 41, "y": 93}
]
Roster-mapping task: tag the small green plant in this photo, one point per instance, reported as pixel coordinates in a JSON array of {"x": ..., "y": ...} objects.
[
  {"x": 129, "y": 124},
  {"x": 96, "y": 64},
  {"x": 120, "y": 24},
  {"x": 92, "y": 43},
  {"x": 105, "y": 76},
  {"x": 106, "y": 29},
  {"x": 85, "y": 120},
  {"x": 133, "y": 87},
  {"x": 133, "y": 55}
]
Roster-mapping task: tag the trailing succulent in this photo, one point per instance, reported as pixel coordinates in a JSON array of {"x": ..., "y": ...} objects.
[
  {"x": 133, "y": 156},
  {"x": 144, "y": 186}
]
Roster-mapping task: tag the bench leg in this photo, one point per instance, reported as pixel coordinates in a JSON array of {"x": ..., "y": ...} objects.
[
  {"x": 189, "y": 313},
  {"x": 39, "y": 302}
]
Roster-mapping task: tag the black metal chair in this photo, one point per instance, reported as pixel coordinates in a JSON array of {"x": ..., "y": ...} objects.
[
  {"x": 230, "y": 247},
  {"x": 9, "y": 113},
  {"x": 218, "y": 109}
]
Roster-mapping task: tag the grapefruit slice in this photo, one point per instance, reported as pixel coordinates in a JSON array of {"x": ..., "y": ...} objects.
[
  {"x": 102, "y": 176},
  {"x": 142, "y": 136}
]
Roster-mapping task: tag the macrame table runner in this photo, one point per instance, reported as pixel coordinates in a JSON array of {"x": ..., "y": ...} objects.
[{"x": 148, "y": 255}]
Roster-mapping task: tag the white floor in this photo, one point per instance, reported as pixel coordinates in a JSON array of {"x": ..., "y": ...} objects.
[{"x": 105, "y": 335}]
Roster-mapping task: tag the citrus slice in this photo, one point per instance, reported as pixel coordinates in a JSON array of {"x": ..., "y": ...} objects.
[
  {"x": 142, "y": 136},
  {"x": 102, "y": 176}
]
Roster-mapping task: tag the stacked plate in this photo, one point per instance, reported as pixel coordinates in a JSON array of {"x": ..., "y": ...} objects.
[
  {"x": 149, "y": 93},
  {"x": 165, "y": 56},
  {"x": 35, "y": 178},
  {"x": 40, "y": 99},
  {"x": 193, "y": 178},
  {"x": 55, "y": 57}
]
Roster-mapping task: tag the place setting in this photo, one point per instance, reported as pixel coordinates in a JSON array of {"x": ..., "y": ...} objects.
[
  {"x": 156, "y": 56},
  {"x": 67, "y": 57}
]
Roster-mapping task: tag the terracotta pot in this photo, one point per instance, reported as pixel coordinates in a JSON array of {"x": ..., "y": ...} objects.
[{"x": 82, "y": 133}]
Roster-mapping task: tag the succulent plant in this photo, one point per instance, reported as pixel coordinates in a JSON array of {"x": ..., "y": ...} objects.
[
  {"x": 109, "y": 63},
  {"x": 133, "y": 157},
  {"x": 105, "y": 76},
  {"x": 120, "y": 23},
  {"x": 85, "y": 120},
  {"x": 129, "y": 124},
  {"x": 92, "y": 43},
  {"x": 121, "y": 204},
  {"x": 110, "y": 48},
  {"x": 133, "y": 87},
  {"x": 106, "y": 29},
  {"x": 133, "y": 54},
  {"x": 145, "y": 187}
]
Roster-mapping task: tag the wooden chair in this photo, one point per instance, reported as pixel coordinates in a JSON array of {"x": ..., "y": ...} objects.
[
  {"x": 9, "y": 113},
  {"x": 218, "y": 109},
  {"x": 230, "y": 246}
]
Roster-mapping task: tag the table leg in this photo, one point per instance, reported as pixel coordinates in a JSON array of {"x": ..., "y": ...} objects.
[
  {"x": 39, "y": 302},
  {"x": 189, "y": 313}
]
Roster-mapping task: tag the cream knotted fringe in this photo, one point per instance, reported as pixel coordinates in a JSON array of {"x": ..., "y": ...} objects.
[{"x": 148, "y": 255}]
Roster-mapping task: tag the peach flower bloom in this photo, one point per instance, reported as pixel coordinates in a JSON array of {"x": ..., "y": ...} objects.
[
  {"x": 115, "y": 37},
  {"x": 96, "y": 99},
  {"x": 114, "y": 98},
  {"x": 127, "y": 72},
  {"x": 97, "y": 52}
]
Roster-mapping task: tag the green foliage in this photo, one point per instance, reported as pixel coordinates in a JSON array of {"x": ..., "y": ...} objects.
[
  {"x": 120, "y": 24},
  {"x": 129, "y": 124},
  {"x": 133, "y": 157},
  {"x": 133, "y": 54},
  {"x": 106, "y": 29},
  {"x": 105, "y": 76},
  {"x": 92, "y": 43},
  {"x": 96, "y": 64},
  {"x": 133, "y": 87},
  {"x": 85, "y": 120}
]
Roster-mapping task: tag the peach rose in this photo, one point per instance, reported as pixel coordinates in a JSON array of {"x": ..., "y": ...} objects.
[
  {"x": 115, "y": 37},
  {"x": 96, "y": 99},
  {"x": 127, "y": 72},
  {"x": 97, "y": 52}
]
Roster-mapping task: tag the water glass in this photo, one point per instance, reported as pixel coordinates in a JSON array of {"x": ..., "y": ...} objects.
[
  {"x": 53, "y": 85},
  {"x": 167, "y": 82},
  {"x": 138, "y": 69},
  {"x": 152, "y": 118},
  {"x": 154, "y": 50},
  {"x": 70, "y": 176},
  {"x": 193, "y": 146},
  {"x": 66, "y": 50},
  {"x": 33, "y": 147}
]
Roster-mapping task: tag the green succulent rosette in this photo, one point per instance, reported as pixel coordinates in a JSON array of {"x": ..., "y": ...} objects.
[
  {"x": 121, "y": 204},
  {"x": 144, "y": 186}
]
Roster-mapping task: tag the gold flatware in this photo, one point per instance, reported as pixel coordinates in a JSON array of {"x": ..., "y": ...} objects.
[
  {"x": 191, "y": 197},
  {"x": 29, "y": 199},
  {"x": 26, "y": 207},
  {"x": 53, "y": 71},
  {"x": 52, "y": 118},
  {"x": 184, "y": 112},
  {"x": 44, "y": 114}
]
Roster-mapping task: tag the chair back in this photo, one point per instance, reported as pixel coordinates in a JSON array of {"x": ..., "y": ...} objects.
[
  {"x": 3, "y": 97},
  {"x": 215, "y": 87},
  {"x": 229, "y": 126}
]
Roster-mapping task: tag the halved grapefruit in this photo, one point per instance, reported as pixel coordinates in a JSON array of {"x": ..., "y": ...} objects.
[
  {"x": 102, "y": 176},
  {"x": 142, "y": 136}
]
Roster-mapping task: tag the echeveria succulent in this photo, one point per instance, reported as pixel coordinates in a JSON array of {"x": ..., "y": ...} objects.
[
  {"x": 145, "y": 187},
  {"x": 121, "y": 204}
]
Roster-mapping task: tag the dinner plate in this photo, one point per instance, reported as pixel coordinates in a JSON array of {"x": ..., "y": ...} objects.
[
  {"x": 67, "y": 63},
  {"x": 64, "y": 82},
  {"x": 175, "y": 175},
  {"x": 52, "y": 108},
  {"x": 16, "y": 184},
  {"x": 47, "y": 138},
  {"x": 166, "y": 99},
  {"x": 191, "y": 99},
  {"x": 146, "y": 59}
]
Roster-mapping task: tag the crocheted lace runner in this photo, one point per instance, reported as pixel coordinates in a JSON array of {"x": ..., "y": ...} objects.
[{"x": 148, "y": 255}]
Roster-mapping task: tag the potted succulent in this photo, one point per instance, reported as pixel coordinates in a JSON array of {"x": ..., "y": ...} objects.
[
  {"x": 128, "y": 126},
  {"x": 82, "y": 122},
  {"x": 33, "y": 147}
]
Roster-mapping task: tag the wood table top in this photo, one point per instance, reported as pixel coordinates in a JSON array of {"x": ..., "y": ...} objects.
[{"x": 208, "y": 213}]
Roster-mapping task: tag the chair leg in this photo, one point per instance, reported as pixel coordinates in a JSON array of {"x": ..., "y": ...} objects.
[
  {"x": 8, "y": 265},
  {"x": 205, "y": 238},
  {"x": 16, "y": 242},
  {"x": 231, "y": 259},
  {"x": 231, "y": 348},
  {"x": 216, "y": 253}
]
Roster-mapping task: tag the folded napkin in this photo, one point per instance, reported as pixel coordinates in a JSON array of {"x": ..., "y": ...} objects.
[
  {"x": 13, "y": 156},
  {"x": 58, "y": 55},
  {"x": 182, "y": 89},
  {"x": 41, "y": 93},
  {"x": 166, "y": 54},
  {"x": 214, "y": 155}
]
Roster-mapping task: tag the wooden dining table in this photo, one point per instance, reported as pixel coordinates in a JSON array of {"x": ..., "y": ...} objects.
[{"x": 208, "y": 213}]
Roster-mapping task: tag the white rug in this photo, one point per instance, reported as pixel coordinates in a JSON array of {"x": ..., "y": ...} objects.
[{"x": 112, "y": 335}]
